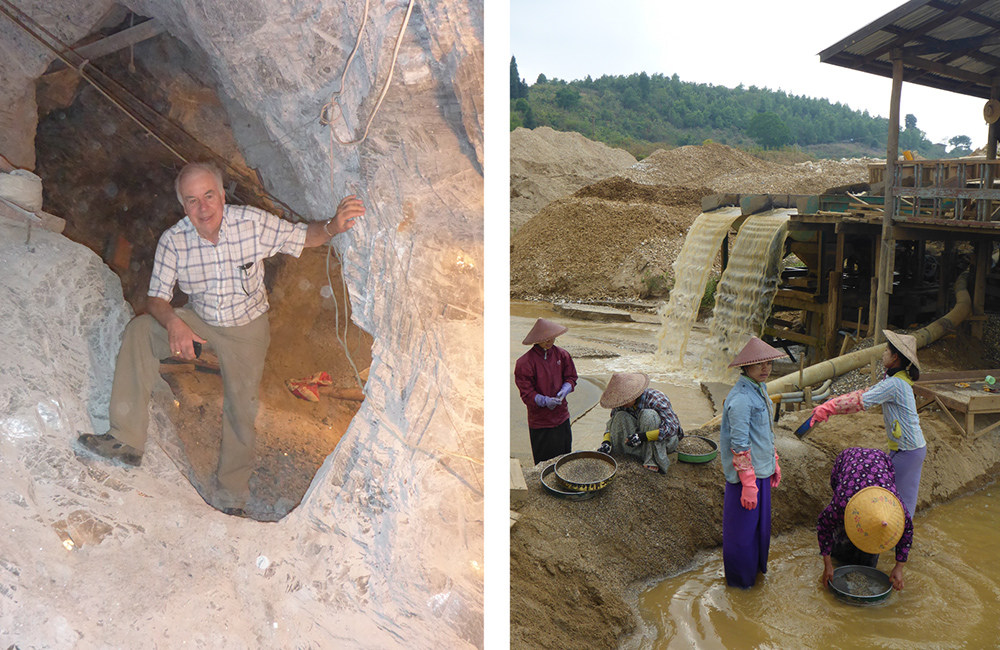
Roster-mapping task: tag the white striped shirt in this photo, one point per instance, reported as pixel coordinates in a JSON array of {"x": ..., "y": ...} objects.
[
  {"x": 225, "y": 281},
  {"x": 898, "y": 406}
]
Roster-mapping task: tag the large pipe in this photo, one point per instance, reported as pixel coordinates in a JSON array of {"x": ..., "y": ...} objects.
[{"x": 839, "y": 365}]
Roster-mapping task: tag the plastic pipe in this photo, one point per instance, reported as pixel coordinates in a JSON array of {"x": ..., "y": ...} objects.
[{"x": 837, "y": 366}]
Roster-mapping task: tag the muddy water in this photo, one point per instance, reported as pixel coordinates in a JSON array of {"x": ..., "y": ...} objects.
[{"x": 950, "y": 599}]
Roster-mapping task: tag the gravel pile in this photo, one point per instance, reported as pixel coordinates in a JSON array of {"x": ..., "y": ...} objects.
[
  {"x": 546, "y": 165},
  {"x": 618, "y": 238}
]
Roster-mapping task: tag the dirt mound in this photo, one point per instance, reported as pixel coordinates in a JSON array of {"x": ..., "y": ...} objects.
[
  {"x": 619, "y": 237},
  {"x": 727, "y": 170},
  {"x": 602, "y": 246},
  {"x": 546, "y": 165}
]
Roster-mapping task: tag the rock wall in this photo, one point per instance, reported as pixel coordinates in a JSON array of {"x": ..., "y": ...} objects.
[{"x": 386, "y": 549}]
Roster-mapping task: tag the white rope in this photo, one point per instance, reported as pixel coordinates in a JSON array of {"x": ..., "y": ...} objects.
[{"x": 332, "y": 110}]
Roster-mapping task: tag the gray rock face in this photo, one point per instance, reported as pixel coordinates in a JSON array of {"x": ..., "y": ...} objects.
[{"x": 386, "y": 549}]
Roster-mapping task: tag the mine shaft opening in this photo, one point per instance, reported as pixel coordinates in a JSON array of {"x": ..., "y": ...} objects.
[{"x": 113, "y": 182}]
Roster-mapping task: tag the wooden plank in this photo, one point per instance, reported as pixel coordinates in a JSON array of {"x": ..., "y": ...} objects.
[
  {"x": 789, "y": 335},
  {"x": 113, "y": 43},
  {"x": 518, "y": 486},
  {"x": 951, "y": 418}
]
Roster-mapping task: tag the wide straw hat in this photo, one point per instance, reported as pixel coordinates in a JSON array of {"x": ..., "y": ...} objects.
[
  {"x": 543, "y": 330},
  {"x": 623, "y": 388},
  {"x": 756, "y": 351},
  {"x": 906, "y": 344},
  {"x": 874, "y": 519}
]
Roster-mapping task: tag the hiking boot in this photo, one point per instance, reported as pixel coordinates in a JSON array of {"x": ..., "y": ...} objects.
[{"x": 109, "y": 447}]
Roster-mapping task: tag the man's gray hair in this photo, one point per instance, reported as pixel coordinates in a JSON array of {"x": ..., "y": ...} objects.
[{"x": 191, "y": 168}]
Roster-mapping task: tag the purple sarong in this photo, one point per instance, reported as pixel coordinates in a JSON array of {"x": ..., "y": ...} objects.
[
  {"x": 908, "y": 465},
  {"x": 746, "y": 534}
]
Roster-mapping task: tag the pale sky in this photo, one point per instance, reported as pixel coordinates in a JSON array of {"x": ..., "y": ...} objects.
[{"x": 773, "y": 44}]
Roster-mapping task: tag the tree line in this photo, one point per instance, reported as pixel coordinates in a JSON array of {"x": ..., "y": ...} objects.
[{"x": 641, "y": 112}]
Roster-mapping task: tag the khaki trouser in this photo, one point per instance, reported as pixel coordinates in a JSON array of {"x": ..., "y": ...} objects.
[{"x": 241, "y": 352}]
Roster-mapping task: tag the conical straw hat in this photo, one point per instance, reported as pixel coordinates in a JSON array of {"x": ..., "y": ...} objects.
[
  {"x": 874, "y": 519},
  {"x": 756, "y": 351},
  {"x": 623, "y": 388},
  {"x": 906, "y": 344},
  {"x": 543, "y": 330}
]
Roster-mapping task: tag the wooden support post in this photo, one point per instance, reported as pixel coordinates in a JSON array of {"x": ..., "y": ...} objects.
[
  {"x": 832, "y": 317},
  {"x": 991, "y": 147},
  {"x": 982, "y": 251},
  {"x": 888, "y": 253}
]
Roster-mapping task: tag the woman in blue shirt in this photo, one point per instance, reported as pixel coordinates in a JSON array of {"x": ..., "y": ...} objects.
[{"x": 750, "y": 465}]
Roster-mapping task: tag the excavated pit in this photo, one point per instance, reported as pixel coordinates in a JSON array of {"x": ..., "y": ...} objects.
[
  {"x": 112, "y": 181},
  {"x": 385, "y": 546}
]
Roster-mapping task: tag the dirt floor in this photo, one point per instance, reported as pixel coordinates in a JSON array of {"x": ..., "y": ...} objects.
[
  {"x": 294, "y": 436},
  {"x": 577, "y": 567}
]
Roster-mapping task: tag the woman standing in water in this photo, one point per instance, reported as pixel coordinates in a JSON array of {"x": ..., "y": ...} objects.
[
  {"x": 907, "y": 447},
  {"x": 750, "y": 465}
]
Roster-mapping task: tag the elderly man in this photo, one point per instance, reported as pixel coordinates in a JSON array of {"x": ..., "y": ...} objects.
[
  {"x": 642, "y": 424},
  {"x": 215, "y": 254}
]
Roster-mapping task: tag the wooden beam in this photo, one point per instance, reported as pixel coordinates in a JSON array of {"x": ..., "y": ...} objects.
[
  {"x": 946, "y": 70},
  {"x": 887, "y": 257},
  {"x": 117, "y": 41}
]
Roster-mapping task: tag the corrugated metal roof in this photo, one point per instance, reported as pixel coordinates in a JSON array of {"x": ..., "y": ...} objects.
[{"x": 948, "y": 44}]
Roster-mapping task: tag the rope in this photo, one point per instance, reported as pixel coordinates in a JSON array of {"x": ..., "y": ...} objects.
[
  {"x": 327, "y": 116},
  {"x": 332, "y": 110}
]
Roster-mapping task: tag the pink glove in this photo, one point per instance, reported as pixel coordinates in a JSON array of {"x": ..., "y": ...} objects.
[
  {"x": 776, "y": 477},
  {"x": 749, "y": 497},
  {"x": 842, "y": 404}
]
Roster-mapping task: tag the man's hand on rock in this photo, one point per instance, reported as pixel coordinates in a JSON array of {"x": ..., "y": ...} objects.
[{"x": 349, "y": 210}]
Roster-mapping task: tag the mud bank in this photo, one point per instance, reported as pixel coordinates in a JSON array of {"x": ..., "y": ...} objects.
[{"x": 577, "y": 567}]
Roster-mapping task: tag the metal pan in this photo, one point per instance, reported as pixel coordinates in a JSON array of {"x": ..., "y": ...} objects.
[
  {"x": 606, "y": 467},
  {"x": 879, "y": 583},
  {"x": 554, "y": 486}
]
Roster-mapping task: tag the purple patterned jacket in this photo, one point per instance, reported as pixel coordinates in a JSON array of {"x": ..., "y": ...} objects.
[{"x": 856, "y": 468}]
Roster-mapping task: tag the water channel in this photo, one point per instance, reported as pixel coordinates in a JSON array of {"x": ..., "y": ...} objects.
[{"x": 950, "y": 599}]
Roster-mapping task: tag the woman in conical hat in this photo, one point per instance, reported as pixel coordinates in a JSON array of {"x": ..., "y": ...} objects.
[
  {"x": 750, "y": 466},
  {"x": 907, "y": 447},
  {"x": 865, "y": 516},
  {"x": 545, "y": 375},
  {"x": 642, "y": 422}
]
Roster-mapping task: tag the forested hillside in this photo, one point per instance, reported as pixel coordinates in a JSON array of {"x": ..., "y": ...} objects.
[{"x": 641, "y": 113}]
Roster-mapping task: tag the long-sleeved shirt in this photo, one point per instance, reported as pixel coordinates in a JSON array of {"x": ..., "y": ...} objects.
[
  {"x": 670, "y": 426},
  {"x": 746, "y": 425},
  {"x": 899, "y": 409},
  {"x": 543, "y": 372},
  {"x": 854, "y": 469}
]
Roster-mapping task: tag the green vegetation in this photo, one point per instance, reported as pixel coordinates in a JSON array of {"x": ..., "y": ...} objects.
[
  {"x": 708, "y": 299},
  {"x": 657, "y": 286},
  {"x": 641, "y": 113}
]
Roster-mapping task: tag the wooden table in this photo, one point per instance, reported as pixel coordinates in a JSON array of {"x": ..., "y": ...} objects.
[{"x": 945, "y": 390}]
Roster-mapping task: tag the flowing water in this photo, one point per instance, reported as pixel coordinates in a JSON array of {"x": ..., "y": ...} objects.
[
  {"x": 691, "y": 269},
  {"x": 950, "y": 599},
  {"x": 745, "y": 292},
  {"x": 743, "y": 296}
]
